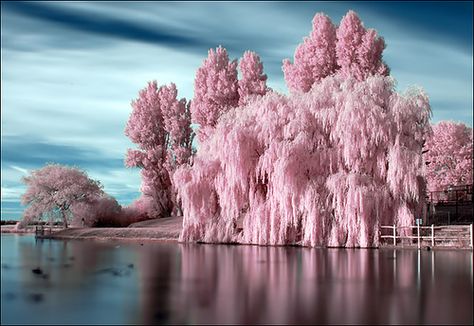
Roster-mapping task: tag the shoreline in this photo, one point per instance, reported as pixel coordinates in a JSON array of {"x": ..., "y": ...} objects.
[
  {"x": 167, "y": 230},
  {"x": 107, "y": 238},
  {"x": 10, "y": 228},
  {"x": 163, "y": 229}
]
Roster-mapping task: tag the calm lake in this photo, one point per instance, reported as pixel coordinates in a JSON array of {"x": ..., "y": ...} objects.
[{"x": 127, "y": 282}]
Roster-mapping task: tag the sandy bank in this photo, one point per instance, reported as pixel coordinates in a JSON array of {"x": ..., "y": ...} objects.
[{"x": 165, "y": 229}]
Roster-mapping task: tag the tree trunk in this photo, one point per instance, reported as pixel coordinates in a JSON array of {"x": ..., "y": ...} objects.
[{"x": 64, "y": 219}]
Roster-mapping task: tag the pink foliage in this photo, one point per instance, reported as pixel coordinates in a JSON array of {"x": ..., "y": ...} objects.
[
  {"x": 161, "y": 127},
  {"x": 349, "y": 50},
  {"x": 322, "y": 167},
  {"x": 253, "y": 81},
  {"x": 315, "y": 58},
  {"x": 52, "y": 190},
  {"x": 215, "y": 90},
  {"x": 314, "y": 169},
  {"x": 97, "y": 212},
  {"x": 145, "y": 125},
  {"x": 104, "y": 211},
  {"x": 177, "y": 124},
  {"x": 449, "y": 156}
]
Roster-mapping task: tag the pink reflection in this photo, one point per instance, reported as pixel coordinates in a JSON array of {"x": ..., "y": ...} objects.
[{"x": 252, "y": 284}]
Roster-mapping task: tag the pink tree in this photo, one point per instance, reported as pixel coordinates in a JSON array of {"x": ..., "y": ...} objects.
[
  {"x": 359, "y": 51},
  {"x": 215, "y": 90},
  {"x": 326, "y": 167},
  {"x": 54, "y": 189},
  {"x": 315, "y": 58},
  {"x": 253, "y": 81},
  {"x": 449, "y": 156},
  {"x": 160, "y": 125},
  {"x": 349, "y": 50},
  {"x": 177, "y": 125}
]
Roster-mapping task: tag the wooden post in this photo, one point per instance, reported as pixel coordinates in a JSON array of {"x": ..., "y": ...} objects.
[
  {"x": 432, "y": 236},
  {"x": 470, "y": 233},
  {"x": 418, "y": 230},
  {"x": 457, "y": 214},
  {"x": 394, "y": 235}
]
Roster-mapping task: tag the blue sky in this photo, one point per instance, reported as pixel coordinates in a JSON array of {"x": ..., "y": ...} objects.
[{"x": 70, "y": 69}]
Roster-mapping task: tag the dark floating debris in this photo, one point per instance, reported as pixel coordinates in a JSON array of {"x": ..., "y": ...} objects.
[
  {"x": 71, "y": 258},
  {"x": 5, "y": 266},
  {"x": 114, "y": 271},
  {"x": 130, "y": 265},
  {"x": 37, "y": 271},
  {"x": 36, "y": 297},
  {"x": 428, "y": 248},
  {"x": 141, "y": 244},
  {"x": 67, "y": 265}
]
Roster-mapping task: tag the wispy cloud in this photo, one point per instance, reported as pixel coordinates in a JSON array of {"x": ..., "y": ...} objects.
[
  {"x": 101, "y": 23},
  {"x": 17, "y": 168}
]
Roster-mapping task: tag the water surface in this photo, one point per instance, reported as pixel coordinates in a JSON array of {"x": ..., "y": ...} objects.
[{"x": 129, "y": 282}]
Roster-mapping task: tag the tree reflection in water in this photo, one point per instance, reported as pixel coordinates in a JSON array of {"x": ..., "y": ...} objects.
[
  {"x": 117, "y": 282},
  {"x": 251, "y": 284}
]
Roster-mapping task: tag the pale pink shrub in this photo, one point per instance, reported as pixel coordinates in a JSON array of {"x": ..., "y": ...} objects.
[{"x": 103, "y": 211}]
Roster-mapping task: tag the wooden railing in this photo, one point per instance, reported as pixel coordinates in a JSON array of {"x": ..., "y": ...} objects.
[{"x": 459, "y": 231}]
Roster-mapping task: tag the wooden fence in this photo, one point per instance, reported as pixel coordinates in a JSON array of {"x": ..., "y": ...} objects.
[{"x": 432, "y": 234}]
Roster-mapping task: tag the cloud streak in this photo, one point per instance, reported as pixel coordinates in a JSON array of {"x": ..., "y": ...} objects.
[{"x": 100, "y": 24}]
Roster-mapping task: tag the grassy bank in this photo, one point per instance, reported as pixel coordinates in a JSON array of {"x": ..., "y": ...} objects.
[{"x": 164, "y": 229}]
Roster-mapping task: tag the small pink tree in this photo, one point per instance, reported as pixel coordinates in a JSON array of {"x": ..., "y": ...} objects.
[
  {"x": 449, "y": 156},
  {"x": 54, "y": 189},
  {"x": 215, "y": 90},
  {"x": 160, "y": 125}
]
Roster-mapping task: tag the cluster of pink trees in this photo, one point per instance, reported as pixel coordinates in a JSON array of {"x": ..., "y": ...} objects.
[
  {"x": 217, "y": 88},
  {"x": 160, "y": 125},
  {"x": 325, "y": 166},
  {"x": 57, "y": 192},
  {"x": 449, "y": 156},
  {"x": 54, "y": 190}
]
